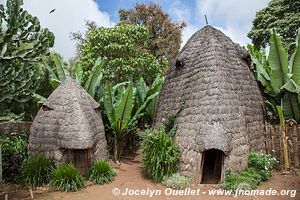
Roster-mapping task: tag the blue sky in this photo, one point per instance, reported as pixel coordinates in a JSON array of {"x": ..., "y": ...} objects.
[
  {"x": 112, "y": 7},
  {"x": 233, "y": 17}
]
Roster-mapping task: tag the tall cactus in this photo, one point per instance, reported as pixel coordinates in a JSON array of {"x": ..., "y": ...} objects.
[{"x": 22, "y": 45}]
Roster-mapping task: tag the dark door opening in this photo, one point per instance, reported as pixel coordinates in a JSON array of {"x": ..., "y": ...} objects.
[{"x": 212, "y": 164}]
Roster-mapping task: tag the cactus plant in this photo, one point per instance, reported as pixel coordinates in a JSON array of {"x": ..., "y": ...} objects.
[{"x": 22, "y": 45}]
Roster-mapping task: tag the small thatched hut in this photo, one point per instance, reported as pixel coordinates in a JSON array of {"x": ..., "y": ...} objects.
[
  {"x": 69, "y": 127},
  {"x": 223, "y": 115}
]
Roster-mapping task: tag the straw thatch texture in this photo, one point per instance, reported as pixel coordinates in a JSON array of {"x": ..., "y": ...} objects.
[
  {"x": 223, "y": 106},
  {"x": 68, "y": 119}
]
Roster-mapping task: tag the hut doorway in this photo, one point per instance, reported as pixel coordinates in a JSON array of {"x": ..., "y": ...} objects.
[
  {"x": 212, "y": 166},
  {"x": 81, "y": 158}
]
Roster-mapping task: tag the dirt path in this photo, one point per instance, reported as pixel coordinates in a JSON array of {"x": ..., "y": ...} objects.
[{"x": 130, "y": 176}]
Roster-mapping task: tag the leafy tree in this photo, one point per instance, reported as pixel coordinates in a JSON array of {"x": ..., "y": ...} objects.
[
  {"x": 22, "y": 45},
  {"x": 165, "y": 35},
  {"x": 124, "y": 47},
  {"x": 81, "y": 37},
  {"x": 283, "y": 16}
]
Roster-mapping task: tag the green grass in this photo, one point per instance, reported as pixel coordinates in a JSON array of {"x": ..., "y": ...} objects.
[
  {"x": 259, "y": 169},
  {"x": 160, "y": 154},
  {"x": 36, "y": 171},
  {"x": 67, "y": 178},
  {"x": 101, "y": 172}
]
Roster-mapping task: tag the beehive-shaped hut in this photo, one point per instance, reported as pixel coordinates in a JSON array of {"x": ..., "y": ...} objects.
[
  {"x": 222, "y": 115},
  {"x": 69, "y": 127}
]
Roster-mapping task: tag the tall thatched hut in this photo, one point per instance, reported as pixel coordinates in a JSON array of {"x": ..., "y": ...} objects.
[
  {"x": 222, "y": 114},
  {"x": 69, "y": 127}
]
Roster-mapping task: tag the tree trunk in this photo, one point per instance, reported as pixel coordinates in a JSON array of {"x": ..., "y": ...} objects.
[
  {"x": 117, "y": 150},
  {"x": 283, "y": 138},
  {"x": 285, "y": 147}
]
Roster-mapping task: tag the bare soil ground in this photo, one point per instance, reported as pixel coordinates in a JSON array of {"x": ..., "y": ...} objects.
[{"x": 130, "y": 175}]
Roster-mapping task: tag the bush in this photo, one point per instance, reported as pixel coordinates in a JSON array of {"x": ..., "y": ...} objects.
[
  {"x": 13, "y": 155},
  {"x": 160, "y": 154},
  {"x": 259, "y": 169},
  {"x": 36, "y": 171},
  {"x": 248, "y": 179},
  {"x": 67, "y": 178},
  {"x": 177, "y": 181},
  {"x": 262, "y": 163},
  {"x": 101, "y": 172}
]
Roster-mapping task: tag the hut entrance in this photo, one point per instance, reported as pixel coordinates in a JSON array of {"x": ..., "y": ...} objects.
[
  {"x": 81, "y": 158},
  {"x": 212, "y": 164}
]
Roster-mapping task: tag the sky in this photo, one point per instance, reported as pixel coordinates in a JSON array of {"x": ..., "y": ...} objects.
[{"x": 233, "y": 17}]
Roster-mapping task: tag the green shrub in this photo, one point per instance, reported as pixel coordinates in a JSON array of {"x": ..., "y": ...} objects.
[
  {"x": 160, "y": 154},
  {"x": 247, "y": 179},
  {"x": 36, "y": 171},
  {"x": 67, "y": 178},
  {"x": 101, "y": 172},
  {"x": 262, "y": 163},
  {"x": 177, "y": 181},
  {"x": 13, "y": 155},
  {"x": 259, "y": 169}
]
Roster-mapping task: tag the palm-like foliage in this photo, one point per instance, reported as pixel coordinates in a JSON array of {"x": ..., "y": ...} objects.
[
  {"x": 58, "y": 73},
  {"x": 144, "y": 91},
  {"x": 279, "y": 76},
  {"x": 119, "y": 103}
]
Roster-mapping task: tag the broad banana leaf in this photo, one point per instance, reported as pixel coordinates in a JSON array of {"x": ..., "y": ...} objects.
[
  {"x": 117, "y": 86},
  {"x": 290, "y": 106},
  {"x": 78, "y": 73},
  {"x": 291, "y": 86},
  {"x": 54, "y": 82},
  {"x": 261, "y": 68},
  {"x": 60, "y": 69},
  {"x": 108, "y": 102},
  {"x": 142, "y": 89},
  {"x": 118, "y": 93},
  {"x": 139, "y": 113},
  {"x": 95, "y": 77},
  {"x": 278, "y": 59},
  {"x": 295, "y": 62},
  {"x": 156, "y": 86},
  {"x": 125, "y": 107}
]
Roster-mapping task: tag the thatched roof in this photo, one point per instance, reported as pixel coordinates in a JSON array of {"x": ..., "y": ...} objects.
[
  {"x": 223, "y": 106},
  {"x": 69, "y": 119}
]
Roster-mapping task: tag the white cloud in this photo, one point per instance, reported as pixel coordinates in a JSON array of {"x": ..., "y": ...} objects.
[
  {"x": 187, "y": 32},
  {"x": 69, "y": 16},
  {"x": 233, "y": 17},
  {"x": 179, "y": 11}
]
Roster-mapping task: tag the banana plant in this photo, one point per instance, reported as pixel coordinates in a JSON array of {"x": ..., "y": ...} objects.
[
  {"x": 94, "y": 78},
  {"x": 118, "y": 103},
  {"x": 59, "y": 73},
  {"x": 285, "y": 76},
  {"x": 143, "y": 91},
  {"x": 279, "y": 76}
]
